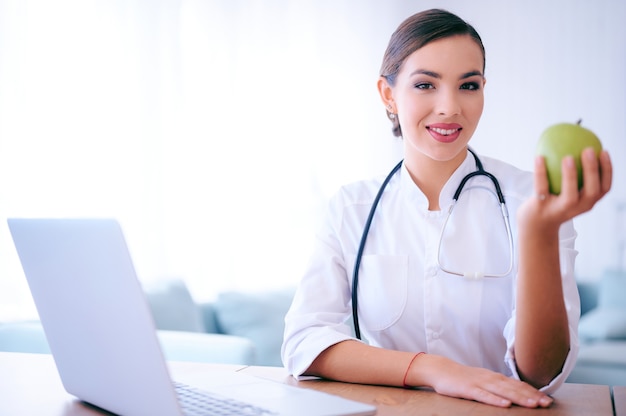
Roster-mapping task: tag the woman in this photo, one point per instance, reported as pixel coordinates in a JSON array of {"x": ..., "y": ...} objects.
[{"x": 502, "y": 341}]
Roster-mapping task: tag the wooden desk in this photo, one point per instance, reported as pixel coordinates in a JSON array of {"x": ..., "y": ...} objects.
[
  {"x": 619, "y": 400},
  {"x": 30, "y": 385},
  {"x": 570, "y": 399}
]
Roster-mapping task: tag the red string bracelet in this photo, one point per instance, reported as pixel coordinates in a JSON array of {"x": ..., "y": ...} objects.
[{"x": 406, "y": 373}]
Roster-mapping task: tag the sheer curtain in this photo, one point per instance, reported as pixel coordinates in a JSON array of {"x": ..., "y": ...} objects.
[{"x": 213, "y": 130}]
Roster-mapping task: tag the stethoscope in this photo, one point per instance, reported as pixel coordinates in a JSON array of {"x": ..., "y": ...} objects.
[{"x": 480, "y": 171}]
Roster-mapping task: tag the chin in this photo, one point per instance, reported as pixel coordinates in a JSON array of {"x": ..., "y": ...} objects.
[{"x": 447, "y": 152}]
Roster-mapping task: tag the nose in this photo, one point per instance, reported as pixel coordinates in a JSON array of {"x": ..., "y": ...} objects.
[{"x": 448, "y": 103}]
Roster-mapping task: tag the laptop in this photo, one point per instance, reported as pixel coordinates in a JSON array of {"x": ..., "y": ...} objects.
[{"x": 102, "y": 335}]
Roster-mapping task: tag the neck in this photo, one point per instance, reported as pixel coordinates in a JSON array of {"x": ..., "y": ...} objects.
[{"x": 431, "y": 175}]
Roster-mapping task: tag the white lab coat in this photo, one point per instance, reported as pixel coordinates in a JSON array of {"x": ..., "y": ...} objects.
[{"x": 405, "y": 301}]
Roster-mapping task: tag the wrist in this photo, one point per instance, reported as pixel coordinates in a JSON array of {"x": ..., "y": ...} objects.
[
  {"x": 409, "y": 381},
  {"x": 535, "y": 227},
  {"x": 539, "y": 214}
]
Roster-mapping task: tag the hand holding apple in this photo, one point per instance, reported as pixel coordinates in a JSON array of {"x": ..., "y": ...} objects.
[{"x": 561, "y": 140}]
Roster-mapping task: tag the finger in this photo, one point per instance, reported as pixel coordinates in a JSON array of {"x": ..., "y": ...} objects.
[
  {"x": 591, "y": 174},
  {"x": 606, "y": 170},
  {"x": 569, "y": 178},
  {"x": 528, "y": 398},
  {"x": 484, "y": 396},
  {"x": 542, "y": 188},
  {"x": 520, "y": 393}
]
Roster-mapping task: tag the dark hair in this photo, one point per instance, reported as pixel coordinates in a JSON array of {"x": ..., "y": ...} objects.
[{"x": 414, "y": 33}]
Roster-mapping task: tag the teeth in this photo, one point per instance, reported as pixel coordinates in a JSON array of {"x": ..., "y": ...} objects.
[{"x": 445, "y": 132}]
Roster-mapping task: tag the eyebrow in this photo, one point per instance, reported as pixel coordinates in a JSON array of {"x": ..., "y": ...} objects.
[{"x": 438, "y": 76}]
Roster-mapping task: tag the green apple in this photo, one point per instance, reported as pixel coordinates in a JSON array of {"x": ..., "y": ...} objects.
[{"x": 561, "y": 140}]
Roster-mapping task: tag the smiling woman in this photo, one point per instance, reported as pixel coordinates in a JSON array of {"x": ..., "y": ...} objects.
[
  {"x": 216, "y": 131},
  {"x": 501, "y": 339}
]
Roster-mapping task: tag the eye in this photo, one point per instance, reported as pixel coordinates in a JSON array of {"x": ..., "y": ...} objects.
[
  {"x": 424, "y": 86},
  {"x": 470, "y": 86}
]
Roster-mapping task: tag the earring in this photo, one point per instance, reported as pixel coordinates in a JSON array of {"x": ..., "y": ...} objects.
[{"x": 391, "y": 115}]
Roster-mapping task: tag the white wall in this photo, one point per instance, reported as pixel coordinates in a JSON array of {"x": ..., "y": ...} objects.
[{"x": 215, "y": 131}]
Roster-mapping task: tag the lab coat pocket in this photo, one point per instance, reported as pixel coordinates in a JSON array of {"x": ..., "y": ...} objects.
[{"x": 382, "y": 290}]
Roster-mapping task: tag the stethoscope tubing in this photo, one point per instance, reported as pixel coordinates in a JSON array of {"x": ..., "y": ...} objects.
[{"x": 359, "y": 255}]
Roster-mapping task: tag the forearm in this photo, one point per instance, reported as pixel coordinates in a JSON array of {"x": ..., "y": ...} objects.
[
  {"x": 542, "y": 328},
  {"x": 355, "y": 362}
]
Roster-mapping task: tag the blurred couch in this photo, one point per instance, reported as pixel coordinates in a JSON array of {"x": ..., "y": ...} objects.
[
  {"x": 255, "y": 316},
  {"x": 236, "y": 328}
]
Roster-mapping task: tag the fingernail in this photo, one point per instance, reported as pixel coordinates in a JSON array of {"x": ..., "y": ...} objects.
[
  {"x": 545, "y": 401},
  {"x": 590, "y": 153}
]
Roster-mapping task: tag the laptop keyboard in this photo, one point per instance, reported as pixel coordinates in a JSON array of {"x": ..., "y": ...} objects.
[{"x": 197, "y": 402}]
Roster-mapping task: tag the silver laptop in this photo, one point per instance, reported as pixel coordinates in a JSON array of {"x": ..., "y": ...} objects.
[{"x": 102, "y": 336}]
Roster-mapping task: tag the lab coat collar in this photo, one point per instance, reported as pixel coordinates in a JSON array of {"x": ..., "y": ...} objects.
[{"x": 416, "y": 197}]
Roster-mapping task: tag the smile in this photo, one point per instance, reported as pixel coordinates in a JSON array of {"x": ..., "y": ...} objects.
[{"x": 445, "y": 133}]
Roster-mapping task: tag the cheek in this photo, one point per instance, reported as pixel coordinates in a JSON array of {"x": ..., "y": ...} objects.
[
  {"x": 413, "y": 111},
  {"x": 473, "y": 108}
]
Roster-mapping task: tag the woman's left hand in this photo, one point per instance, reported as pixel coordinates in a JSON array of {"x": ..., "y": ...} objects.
[{"x": 546, "y": 209}]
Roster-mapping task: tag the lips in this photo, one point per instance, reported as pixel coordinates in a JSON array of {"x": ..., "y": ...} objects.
[{"x": 444, "y": 132}]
